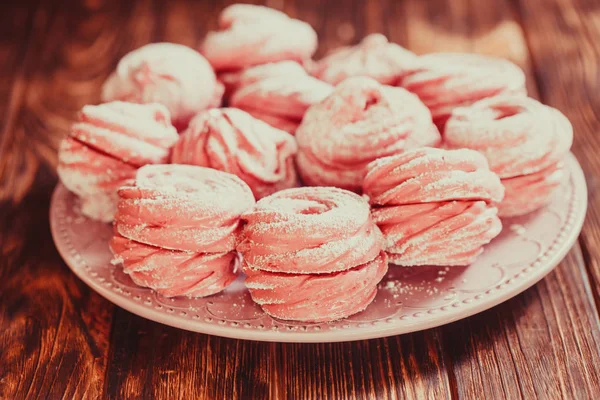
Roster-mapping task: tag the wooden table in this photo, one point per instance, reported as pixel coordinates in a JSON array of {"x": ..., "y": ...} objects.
[{"x": 58, "y": 339}]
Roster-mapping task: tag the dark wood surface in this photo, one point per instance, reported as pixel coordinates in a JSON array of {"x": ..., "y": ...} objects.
[{"x": 59, "y": 339}]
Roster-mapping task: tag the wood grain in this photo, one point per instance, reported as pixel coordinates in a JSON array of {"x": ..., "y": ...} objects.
[
  {"x": 568, "y": 63},
  {"x": 54, "y": 330},
  {"x": 153, "y": 360},
  {"x": 492, "y": 353},
  {"x": 59, "y": 339}
]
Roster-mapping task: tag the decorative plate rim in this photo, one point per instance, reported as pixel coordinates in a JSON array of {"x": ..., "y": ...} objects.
[{"x": 411, "y": 322}]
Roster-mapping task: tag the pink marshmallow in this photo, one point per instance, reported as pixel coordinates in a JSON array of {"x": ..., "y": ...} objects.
[
  {"x": 317, "y": 298},
  {"x": 251, "y": 35},
  {"x": 374, "y": 57},
  {"x": 167, "y": 73},
  {"x": 175, "y": 273},
  {"x": 183, "y": 207},
  {"x": 434, "y": 206},
  {"x": 233, "y": 141},
  {"x": 359, "y": 122},
  {"x": 444, "y": 81}
]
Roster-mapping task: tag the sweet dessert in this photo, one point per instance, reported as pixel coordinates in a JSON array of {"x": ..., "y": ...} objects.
[
  {"x": 236, "y": 80},
  {"x": 183, "y": 207},
  {"x": 281, "y": 100},
  {"x": 359, "y": 122},
  {"x": 444, "y": 81},
  {"x": 434, "y": 206},
  {"x": 106, "y": 146},
  {"x": 251, "y": 35},
  {"x": 374, "y": 57},
  {"x": 233, "y": 141},
  {"x": 175, "y": 273},
  {"x": 309, "y": 230},
  {"x": 137, "y": 134},
  {"x": 317, "y": 297},
  {"x": 524, "y": 141},
  {"x": 93, "y": 176},
  {"x": 312, "y": 254},
  {"x": 177, "y": 227},
  {"x": 171, "y": 74},
  {"x": 289, "y": 125}
]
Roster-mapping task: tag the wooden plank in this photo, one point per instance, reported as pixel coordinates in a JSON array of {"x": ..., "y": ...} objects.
[
  {"x": 567, "y": 58},
  {"x": 568, "y": 66},
  {"x": 23, "y": 26},
  {"x": 544, "y": 342},
  {"x": 408, "y": 366},
  {"x": 151, "y": 360},
  {"x": 191, "y": 365},
  {"x": 54, "y": 330},
  {"x": 155, "y": 361}
]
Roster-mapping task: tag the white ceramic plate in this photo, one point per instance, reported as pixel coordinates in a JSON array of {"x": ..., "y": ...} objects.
[{"x": 409, "y": 299}]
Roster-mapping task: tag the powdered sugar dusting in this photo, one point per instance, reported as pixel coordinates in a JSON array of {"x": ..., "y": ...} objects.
[
  {"x": 183, "y": 207},
  {"x": 358, "y": 123},
  {"x": 167, "y": 73},
  {"x": 518, "y": 135},
  {"x": 431, "y": 175},
  {"x": 252, "y": 35},
  {"x": 309, "y": 230},
  {"x": 323, "y": 297},
  {"x": 445, "y": 81},
  {"x": 231, "y": 140},
  {"x": 374, "y": 57}
]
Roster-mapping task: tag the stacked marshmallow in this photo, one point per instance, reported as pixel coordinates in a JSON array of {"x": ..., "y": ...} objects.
[
  {"x": 524, "y": 141},
  {"x": 365, "y": 118},
  {"x": 105, "y": 148},
  {"x": 359, "y": 122},
  {"x": 444, "y": 81},
  {"x": 434, "y": 206},
  {"x": 374, "y": 57},
  {"x": 177, "y": 226},
  {"x": 167, "y": 73},
  {"x": 312, "y": 254},
  {"x": 278, "y": 98},
  {"x": 233, "y": 141},
  {"x": 252, "y": 35},
  {"x": 237, "y": 80}
]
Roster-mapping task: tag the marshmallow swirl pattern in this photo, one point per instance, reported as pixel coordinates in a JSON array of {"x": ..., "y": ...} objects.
[
  {"x": 93, "y": 176},
  {"x": 524, "y": 141},
  {"x": 281, "y": 98},
  {"x": 527, "y": 193},
  {"x": 183, "y": 207},
  {"x": 105, "y": 147},
  {"x": 446, "y": 233},
  {"x": 167, "y": 73},
  {"x": 434, "y": 206},
  {"x": 358, "y": 123},
  {"x": 236, "y": 80},
  {"x": 444, "y": 81},
  {"x": 430, "y": 175},
  {"x": 175, "y": 273},
  {"x": 285, "y": 124},
  {"x": 137, "y": 134},
  {"x": 231, "y": 140},
  {"x": 518, "y": 135},
  {"x": 251, "y": 35},
  {"x": 312, "y": 254},
  {"x": 374, "y": 57},
  {"x": 309, "y": 230},
  {"x": 317, "y": 298}
]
